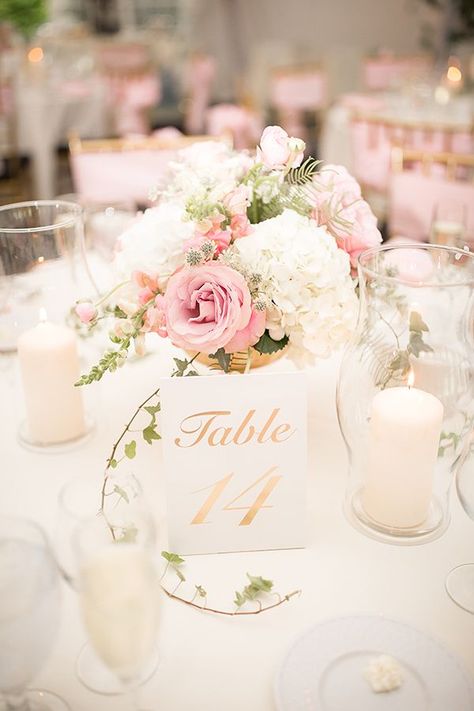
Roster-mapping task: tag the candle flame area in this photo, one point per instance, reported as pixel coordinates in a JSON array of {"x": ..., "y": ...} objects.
[
  {"x": 43, "y": 315},
  {"x": 411, "y": 378},
  {"x": 35, "y": 55},
  {"x": 454, "y": 74}
]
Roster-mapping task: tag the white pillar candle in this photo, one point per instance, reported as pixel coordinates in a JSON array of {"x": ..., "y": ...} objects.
[
  {"x": 49, "y": 366},
  {"x": 404, "y": 432}
]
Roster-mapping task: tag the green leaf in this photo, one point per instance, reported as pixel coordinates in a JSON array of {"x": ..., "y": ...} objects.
[
  {"x": 200, "y": 591},
  {"x": 417, "y": 323},
  {"x": 417, "y": 345},
  {"x": 222, "y": 358},
  {"x": 113, "y": 464},
  {"x": 259, "y": 583},
  {"x": 153, "y": 409},
  {"x": 131, "y": 449},
  {"x": 179, "y": 574},
  {"x": 118, "y": 313},
  {"x": 239, "y": 599},
  {"x": 122, "y": 493},
  {"x": 400, "y": 362},
  {"x": 149, "y": 434},
  {"x": 172, "y": 558},
  {"x": 304, "y": 173},
  {"x": 266, "y": 344},
  {"x": 128, "y": 535}
]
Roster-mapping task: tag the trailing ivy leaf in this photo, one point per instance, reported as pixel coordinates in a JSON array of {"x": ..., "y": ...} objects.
[
  {"x": 239, "y": 599},
  {"x": 222, "y": 358},
  {"x": 172, "y": 558},
  {"x": 200, "y": 591},
  {"x": 191, "y": 373},
  {"x": 113, "y": 464},
  {"x": 118, "y": 313},
  {"x": 122, "y": 493},
  {"x": 267, "y": 344},
  {"x": 153, "y": 409},
  {"x": 129, "y": 535},
  {"x": 149, "y": 434},
  {"x": 260, "y": 583},
  {"x": 400, "y": 362},
  {"x": 416, "y": 344},
  {"x": 181, "y": 367},
  {"x": 417, "y": 323},
  {"x": 131, "y": 449},
  {"x": 180, "y": 574}
]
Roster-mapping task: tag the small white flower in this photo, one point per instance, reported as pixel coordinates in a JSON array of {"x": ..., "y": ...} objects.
[{"x": 307, "y": 277}]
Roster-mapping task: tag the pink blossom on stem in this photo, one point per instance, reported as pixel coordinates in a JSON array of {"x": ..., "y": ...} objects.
[
  {"x": 240, "y": 226},
  {"x": 86, "y": 311}
]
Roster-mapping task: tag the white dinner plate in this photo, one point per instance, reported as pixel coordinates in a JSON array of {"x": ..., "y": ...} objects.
[{"x": 324, "y": 670}]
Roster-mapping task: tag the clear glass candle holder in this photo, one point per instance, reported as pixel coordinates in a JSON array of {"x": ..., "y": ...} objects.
[
  {"x": 405, "y": 396},
  {"x": 42, "y": 265}
]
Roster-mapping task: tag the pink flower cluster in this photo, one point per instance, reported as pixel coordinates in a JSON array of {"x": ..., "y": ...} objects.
[{"x": 340, "y": 207}]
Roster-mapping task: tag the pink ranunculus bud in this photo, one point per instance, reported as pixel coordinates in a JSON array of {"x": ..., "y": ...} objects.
[{"x": 86, "y": 312}]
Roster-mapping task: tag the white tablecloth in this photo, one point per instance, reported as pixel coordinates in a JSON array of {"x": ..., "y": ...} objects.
[{"x": 213, "y": 663}]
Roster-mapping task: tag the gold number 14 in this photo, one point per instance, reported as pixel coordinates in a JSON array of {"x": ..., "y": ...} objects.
[{"x": 252, "y": 511}]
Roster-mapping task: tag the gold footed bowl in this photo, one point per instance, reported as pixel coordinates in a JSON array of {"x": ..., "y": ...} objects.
[{"x": 238, "y": 360}]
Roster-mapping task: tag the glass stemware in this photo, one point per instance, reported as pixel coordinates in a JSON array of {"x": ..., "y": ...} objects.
[
  {"x": 42, "y": 265},
  {"x": 448, "y": 226},
  {"x": 119, "y": 593},
  {"x": 29, "y": 614},
  {"x": 460, "y": 581}
]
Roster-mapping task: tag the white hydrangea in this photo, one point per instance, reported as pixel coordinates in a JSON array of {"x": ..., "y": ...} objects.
[
  {"x": 204, "y": 166},
  {"x": 309, "y": 283},
  {"x": 154, "y": 243}
]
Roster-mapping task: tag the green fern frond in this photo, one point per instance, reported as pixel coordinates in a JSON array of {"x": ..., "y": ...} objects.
[{"x": 304, "y": 173}]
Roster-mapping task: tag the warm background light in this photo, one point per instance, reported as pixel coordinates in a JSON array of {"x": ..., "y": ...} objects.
[
  {"x": 35, "y": 54},
  {"x": 454, "y": 74}
]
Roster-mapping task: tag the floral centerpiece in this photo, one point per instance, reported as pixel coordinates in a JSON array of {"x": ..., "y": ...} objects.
[{"x": 241, "y": 254}]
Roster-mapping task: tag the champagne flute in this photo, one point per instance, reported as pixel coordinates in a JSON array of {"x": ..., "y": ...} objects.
[
  {"x": 119, "y": 593},
  {"x": 460, "y": 581},
  {"x": 448, "y": 226},
  {"x": 29, "y": 614}
]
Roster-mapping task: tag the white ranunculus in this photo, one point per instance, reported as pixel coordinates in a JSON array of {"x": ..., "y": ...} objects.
[
  {"x": 154, "y": 243},
  {"x": 309, "y": 283}
]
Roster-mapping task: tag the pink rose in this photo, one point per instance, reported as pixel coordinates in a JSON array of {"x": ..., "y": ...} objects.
[
  {"x": 277, "y": 150},
  {"x": 335, "y": 183},
  {"x": 238, "y": 200},
  {"x": 86, "y": 312},
  {"x": 362, "y": 233},
  {"x": 240, "y": 226},
  {"x": 206, "y": 306},
  {"x": 250, "y": 335}
]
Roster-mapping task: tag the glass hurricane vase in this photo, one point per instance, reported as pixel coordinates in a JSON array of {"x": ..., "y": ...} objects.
[{"x": 405, "y": 396}]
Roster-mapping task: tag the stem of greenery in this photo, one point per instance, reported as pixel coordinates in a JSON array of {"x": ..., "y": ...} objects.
[{"x": 235, "y": 613}]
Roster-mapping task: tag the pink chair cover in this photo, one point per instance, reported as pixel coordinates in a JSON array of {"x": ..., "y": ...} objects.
[
  {"x": 305, "y": 90},
  {"x": 244, "y": 125},
  {"x": 200, "y": 78},
  {"x": 362, "y": 102},
  {"x": 384, "y": 72},
  {"x": 116, "y": 176},
  {"x": 130, "y": 97},
  {"x": 412, "y": 200},
  {"x": 372, "y": 145}
]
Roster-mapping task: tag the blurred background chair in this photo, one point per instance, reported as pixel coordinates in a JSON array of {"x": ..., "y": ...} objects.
[
  {"x": 372, "y": 140},
  {"x": 241, "y": 124},
  {"x": 298, "y": 94},
  {"x": 132, "y": 83},
  {"x": 388, "y": 71},
  {"x": 431, "y": 197},
  {"x": 200, "y": 74},
  {"x": 114, "y": 170}
]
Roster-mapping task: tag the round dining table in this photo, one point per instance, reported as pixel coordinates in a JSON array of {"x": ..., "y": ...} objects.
[{"x": 209, "y": 662}]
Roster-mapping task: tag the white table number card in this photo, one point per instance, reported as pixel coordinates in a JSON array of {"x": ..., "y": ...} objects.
[{"x": 235, "y": 462}]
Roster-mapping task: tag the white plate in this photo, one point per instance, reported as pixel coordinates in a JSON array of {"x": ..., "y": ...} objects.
[{"x": 324, "y": 670}]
